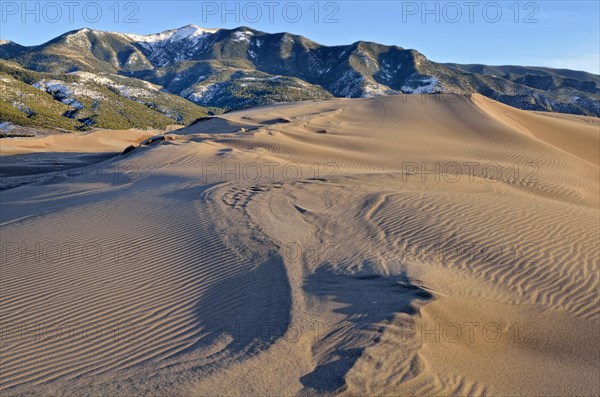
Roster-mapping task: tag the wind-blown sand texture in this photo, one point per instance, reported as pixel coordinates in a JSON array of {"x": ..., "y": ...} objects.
[{"x": 403, "y": 245}]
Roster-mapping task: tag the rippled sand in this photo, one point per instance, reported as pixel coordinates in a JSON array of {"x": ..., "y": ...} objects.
[{"x": 402, "y": 245}]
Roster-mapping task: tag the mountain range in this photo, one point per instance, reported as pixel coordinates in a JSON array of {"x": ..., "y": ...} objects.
[{"x": 89, "y": 78}]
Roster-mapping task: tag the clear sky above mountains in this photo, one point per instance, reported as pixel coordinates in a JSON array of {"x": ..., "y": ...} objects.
[{"x": 560, "y": 34}]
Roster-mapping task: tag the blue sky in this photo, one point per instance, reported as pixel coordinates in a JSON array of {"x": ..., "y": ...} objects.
[{"x": 561, "y": 34}]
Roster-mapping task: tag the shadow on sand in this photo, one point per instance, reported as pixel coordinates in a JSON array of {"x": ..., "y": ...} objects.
[{"x": 368, "y": 300}]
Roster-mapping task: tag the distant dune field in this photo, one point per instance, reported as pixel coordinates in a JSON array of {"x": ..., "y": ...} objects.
[{"x": 403, "y": 245}]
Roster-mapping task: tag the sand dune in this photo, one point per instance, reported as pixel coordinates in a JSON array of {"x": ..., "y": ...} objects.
[
  {"x": 388, "y": 246},
  {"x": 93, "y": 142}
]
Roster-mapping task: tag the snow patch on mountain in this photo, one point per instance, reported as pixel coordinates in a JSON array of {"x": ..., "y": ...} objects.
[
  {"x": 171, "y": 36},
  {"x": 349, "y": 85},
  {"x": 387, "y": 72},
  {"x": 112, "y": 81},
  {"x": 421, "y": 86},
  {"x": 172, "y": 46},
  {"x": 67, "y": 92},
  {"x": 203, "y": 94},
  {"x": 375, "y": 89},
  {"x": 242, "y": 36}
]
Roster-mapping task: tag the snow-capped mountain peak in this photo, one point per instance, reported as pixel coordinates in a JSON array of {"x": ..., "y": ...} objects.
[
  {"x": 172, "y": 35},
  {"x": 173, "y": 45}
]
